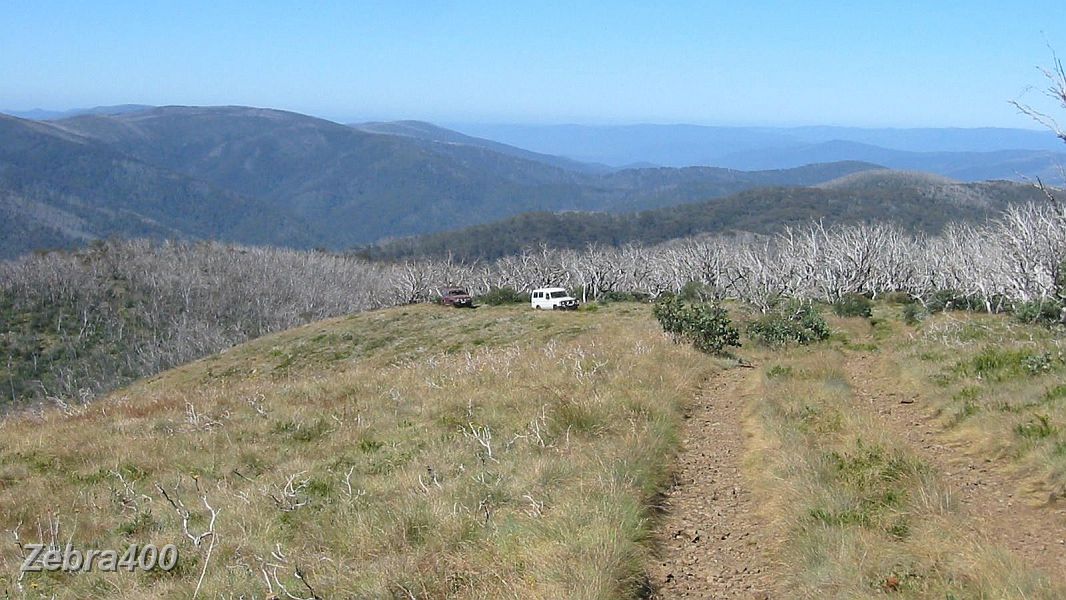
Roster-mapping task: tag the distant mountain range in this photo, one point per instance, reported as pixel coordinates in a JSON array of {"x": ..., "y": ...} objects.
[
  {"x": 40, "y": 114},
  {"x": 58, "y": 189},
  {"x": 965, "y": 154},
  {"x": 274, "y": 177},
  {"x": 916, "y": 201},
  {"x": 428, "y": 132}
]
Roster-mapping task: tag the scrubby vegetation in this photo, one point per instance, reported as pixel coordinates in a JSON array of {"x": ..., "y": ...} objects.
[
  {"x": 75, "y": 325},
  {"x": 706, "y": 325},
  {"x": 792, "y": 322},
  {"x": 1002, "y": 389},
  {"x": 853, "y": 305},
  {"x": 502, "y": 295},
  {"x": 453, "y": 453},
  {"x": 1047, "y": 311}
]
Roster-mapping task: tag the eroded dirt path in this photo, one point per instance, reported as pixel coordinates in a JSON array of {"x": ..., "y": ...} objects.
[
  {"x": 712, "y": 542},
  {"x": 1035, "y": 532}
]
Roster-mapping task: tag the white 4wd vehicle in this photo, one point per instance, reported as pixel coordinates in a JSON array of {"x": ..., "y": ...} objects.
[{"x": 553, "y": 299}]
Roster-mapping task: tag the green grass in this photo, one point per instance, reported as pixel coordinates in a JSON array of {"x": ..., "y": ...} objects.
[
  {"x": 858, "y": 512},
  {"x": 1003, "y": 391}
]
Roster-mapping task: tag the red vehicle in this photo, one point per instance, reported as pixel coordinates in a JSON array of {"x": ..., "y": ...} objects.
[{"x": 457, "y": 297}]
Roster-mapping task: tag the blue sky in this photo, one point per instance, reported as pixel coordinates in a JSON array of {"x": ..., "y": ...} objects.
[{"x": 866, "y": 63}]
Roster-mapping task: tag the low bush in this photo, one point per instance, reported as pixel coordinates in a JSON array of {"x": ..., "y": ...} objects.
[
  {"x": 706, "y": 325},
  {"x": 898, "y": 298},
  {"x": 793, "y": 322},
  {"x": 1037, "y": 428},
  {"x": 502, "y": 295},
  {"x": 1045, "y": 312},
  {"x": 853, "y": 305},
  {"x": 694, "y": 291},
  {"x": 1002, "y": 364},
  {"x": 914, "y": 313},
  {"x": 943, "y": 300}
]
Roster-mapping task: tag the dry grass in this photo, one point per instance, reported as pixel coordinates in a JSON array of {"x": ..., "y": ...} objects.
[
  {"x": 859, "y": 514},
  {"x": 411, "y": 452},
  {"x": 1001, "y": 391}
]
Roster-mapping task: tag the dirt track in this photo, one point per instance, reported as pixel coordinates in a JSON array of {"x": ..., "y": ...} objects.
[
  {"x": 711, "y": 541},
  {"x": 713, "y": 545},
  {"x": 991, "y": 497}
]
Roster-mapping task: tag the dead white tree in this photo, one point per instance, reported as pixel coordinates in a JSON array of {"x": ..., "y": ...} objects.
[
  {"x": 1056, "y": 90},
  {"x": 197, "y": 539},
  {"x": 269, "y": 569}
]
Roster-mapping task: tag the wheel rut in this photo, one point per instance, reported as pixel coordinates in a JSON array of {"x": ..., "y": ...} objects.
[
  {"x": 712, "y": 542},
  {"x": 990, "y": 496}
]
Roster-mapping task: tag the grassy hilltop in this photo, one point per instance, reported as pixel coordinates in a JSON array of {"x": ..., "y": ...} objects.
[
  {"x": 417, "y": 451},
  {"x": 424, "y": 452}
]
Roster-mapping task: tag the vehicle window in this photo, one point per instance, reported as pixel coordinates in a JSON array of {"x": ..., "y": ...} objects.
[{"x": 558, "y": 294}]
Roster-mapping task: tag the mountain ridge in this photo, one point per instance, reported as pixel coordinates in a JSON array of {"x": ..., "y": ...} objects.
[
  {"x": 344, "y": 187},
  {"x": 916, "y": 202},
  {"x": 268, "y": 176},
  {"x": 58, "y": 188},
  {"x": 1021, "y": 152}
]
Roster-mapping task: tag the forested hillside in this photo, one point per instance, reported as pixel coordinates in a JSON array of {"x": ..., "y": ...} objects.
[
  {"x": 59, "y": 188},
  {"x": 916, "y": 202},
  {"x": 75, "y": 324},
  {"x": 273, "y": 177}
]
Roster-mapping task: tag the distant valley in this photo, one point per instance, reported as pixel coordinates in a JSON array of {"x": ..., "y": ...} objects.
[{"x": 272, "y": 177}]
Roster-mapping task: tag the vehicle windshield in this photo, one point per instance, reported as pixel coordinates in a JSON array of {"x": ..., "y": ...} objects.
[
  {"x": 456, "y": 293},
  {"x": 558, "y": 295}
]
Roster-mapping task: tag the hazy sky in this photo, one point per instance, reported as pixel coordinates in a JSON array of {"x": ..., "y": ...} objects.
[{"x": 865, "y": 62}]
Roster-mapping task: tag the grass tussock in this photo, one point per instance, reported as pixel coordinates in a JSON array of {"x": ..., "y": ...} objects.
[
  {"x": 1002, "y": 391},
  {"x": 412, "y": 452},
  {"x": 858, "y": 513}
]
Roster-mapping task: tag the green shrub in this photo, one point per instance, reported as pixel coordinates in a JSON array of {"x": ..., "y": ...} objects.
[
  {"x": 853, "y": 305},
  {"x": 778, "y": 371},
  {"x": 914, "y": 313},
  {"x": 669, "y": 312},
  {"x": 1046, "y": 312},
  {"x": 694, "y": 291},
  {"x": 502, "y": 295},
  {"x": 943, "y": 300},
  {"x": 793, "y": 322},
  {"x": 707, "y": 326},
  {"x": 1001, "y": 364},
  {"x": 898, "y": 298},
  {"x": 1036, "y": 364}
]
